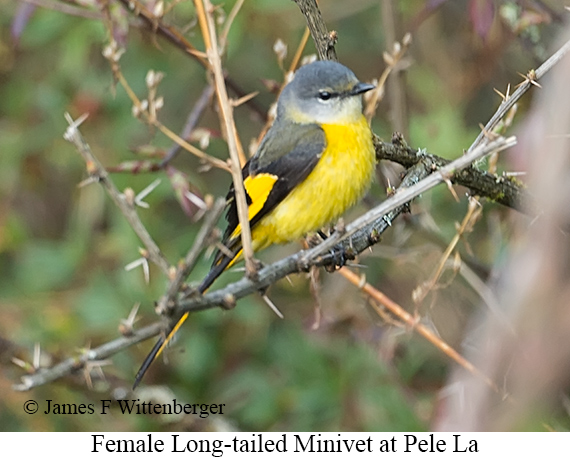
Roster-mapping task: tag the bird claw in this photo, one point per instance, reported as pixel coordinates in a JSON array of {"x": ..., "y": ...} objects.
[{"x": 338, "y": 257}]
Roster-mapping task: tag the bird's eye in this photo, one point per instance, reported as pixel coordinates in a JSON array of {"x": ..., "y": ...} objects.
[{"x": 324, "y": 95}]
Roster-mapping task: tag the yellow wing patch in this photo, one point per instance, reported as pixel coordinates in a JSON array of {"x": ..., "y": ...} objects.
[{"x": 258, "y": 188}]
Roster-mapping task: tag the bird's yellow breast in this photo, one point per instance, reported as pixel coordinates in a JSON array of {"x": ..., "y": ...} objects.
[{"x": 338, "y": 181}]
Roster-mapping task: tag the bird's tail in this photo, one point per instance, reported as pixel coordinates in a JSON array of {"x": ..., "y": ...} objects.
[{"x": 220, "y": 265}]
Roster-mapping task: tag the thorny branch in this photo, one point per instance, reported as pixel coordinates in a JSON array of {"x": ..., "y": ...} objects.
[
  {"x": 501, "y": 189},
  {"x": 123, "y": 201}
]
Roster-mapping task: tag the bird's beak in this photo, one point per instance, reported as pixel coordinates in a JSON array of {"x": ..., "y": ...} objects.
[{"x": 360, "y": 88}]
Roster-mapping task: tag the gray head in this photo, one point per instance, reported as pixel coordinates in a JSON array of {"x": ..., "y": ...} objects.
[{"x": 324, "y": 92}]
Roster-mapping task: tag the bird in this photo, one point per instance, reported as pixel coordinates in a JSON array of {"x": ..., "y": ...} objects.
[{"x": 315, "y": 161}]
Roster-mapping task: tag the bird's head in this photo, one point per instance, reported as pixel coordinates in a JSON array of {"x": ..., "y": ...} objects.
[{"x": 322, "y": 92}]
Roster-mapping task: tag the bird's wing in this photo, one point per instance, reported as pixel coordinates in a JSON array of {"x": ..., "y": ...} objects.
[{"x": 283, "y": 161}]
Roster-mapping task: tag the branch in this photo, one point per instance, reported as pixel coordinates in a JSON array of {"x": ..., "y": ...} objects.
[
  {"x": 381, "y": 299},
  {"x": 324, "y": 40},
  {"x": 530, "y": 80},
  {"x": 126, "y": 206},
  {"x": 191, "y": 123},
  {"x": 500, "y": 189},
  {"x": 74, "y": 364},
  {"x": 365, "y": 232},
  {"x": 204, "y": 10},
  {"x": 187, "y": 265}
]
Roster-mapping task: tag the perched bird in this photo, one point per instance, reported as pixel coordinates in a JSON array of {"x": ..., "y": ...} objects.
[{"x": 315, "y": 161}]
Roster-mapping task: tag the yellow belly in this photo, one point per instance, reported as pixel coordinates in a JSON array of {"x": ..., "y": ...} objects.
[{"x": 338, "y": 181}]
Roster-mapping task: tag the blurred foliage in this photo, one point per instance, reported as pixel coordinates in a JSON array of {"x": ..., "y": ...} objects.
[{"x": 63, "y": 249}]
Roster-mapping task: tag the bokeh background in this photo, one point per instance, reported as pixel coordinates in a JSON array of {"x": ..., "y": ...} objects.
[{"x": 63, "y": 249}]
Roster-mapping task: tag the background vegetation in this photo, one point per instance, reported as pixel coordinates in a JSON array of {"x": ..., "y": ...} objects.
[{"x": 63, "y": 249}]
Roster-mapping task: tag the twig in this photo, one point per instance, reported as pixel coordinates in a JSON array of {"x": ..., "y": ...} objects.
[
  {"x": 156, "y": 24},
  {"x": 473, "y": 212},
  {"x": 97, "y": 172},
  {"x": 500, "y": 189},
  {"x": 294, "y": 63},
  {"x": 74, "y": 364},
  {"x": 324, "y": 40},
  {"x": 412, "y": 322},
  {"x": 393, "y": 61},
  {"x": 299, "y": 52},
  {"x": 204, "y": 11},
  {"x": 228, "y": 25},
  {"x": 165, "y": 130},
  {"x": 192, "y": 256},
  {"x": 531, "y": 78},
  {"x": 391, "y": 22},
  {"x": 191, "y": 122}
]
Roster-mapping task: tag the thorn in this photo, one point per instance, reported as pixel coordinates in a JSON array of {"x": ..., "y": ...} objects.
[
  {"x": 356, "y": 265},
  {"x": 20, "y": 363},
  {"x": 147, "y": 190},
  {"x": 89, "y": 180},
  {"x": 126, "y": 325},
  {"x": 451, "y": 189},
  {"x": 240, "y": 101},
  {"x": 37, "y": 356},
  {"x": 514, "y": 173},
  {"x": 506, "y": 95},
  {"x": 71, "y": 131},
  {"x": 196, "y": 200},
  {"x": 530, "y": 78},
  {"x": 474, "y": 201},
  {"x": 271, "y": 305},
  {"x": 140, "y": 261},
  {"x": 97, "y": 366}
]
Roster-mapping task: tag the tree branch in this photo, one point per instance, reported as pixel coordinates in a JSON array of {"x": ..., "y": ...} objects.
[
  {"x": 500, "y": 189},
  {"x": 127, "y": 207},
  {"x": 324, "y": 40},
  {"x": 74, "y": 364}
]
